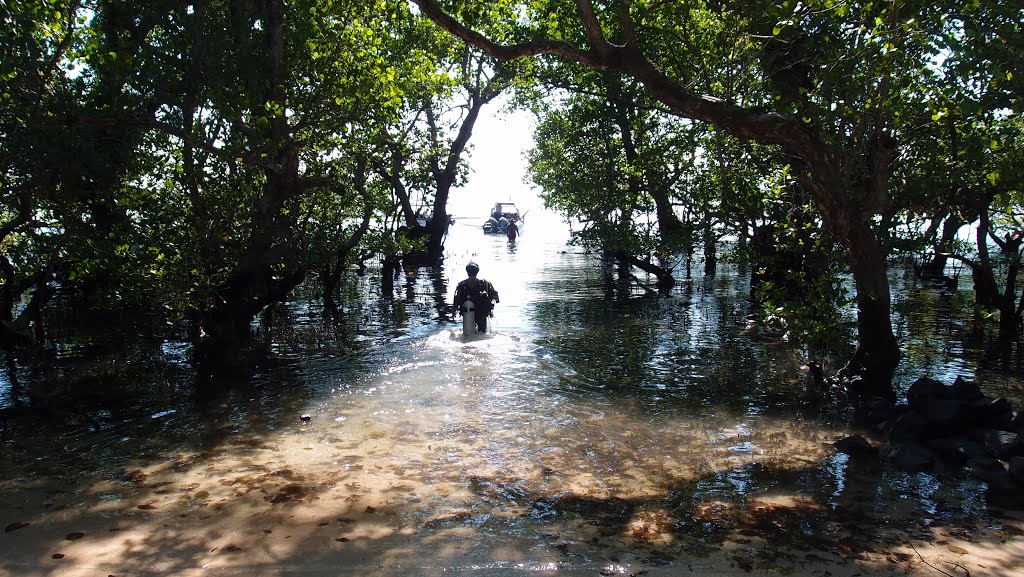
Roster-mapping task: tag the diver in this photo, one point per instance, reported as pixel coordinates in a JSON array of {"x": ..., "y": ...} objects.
[{"x": 480, "y": 292}]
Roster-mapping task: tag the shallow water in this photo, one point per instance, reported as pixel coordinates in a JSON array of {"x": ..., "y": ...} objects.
[{"x": 582, "y": 432}]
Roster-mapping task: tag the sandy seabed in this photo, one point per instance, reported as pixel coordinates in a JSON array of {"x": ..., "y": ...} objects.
[{"x": 255, "y": 508}]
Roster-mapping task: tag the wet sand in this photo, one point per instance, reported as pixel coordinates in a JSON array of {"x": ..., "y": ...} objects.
[{"x": 315, "y": 505}]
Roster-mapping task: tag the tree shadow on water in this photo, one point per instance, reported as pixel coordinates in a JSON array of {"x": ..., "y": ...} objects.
[{"x": 190, "y": 514}]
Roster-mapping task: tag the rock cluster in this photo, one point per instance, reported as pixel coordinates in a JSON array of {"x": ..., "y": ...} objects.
[{"x": 948, "y": 428}]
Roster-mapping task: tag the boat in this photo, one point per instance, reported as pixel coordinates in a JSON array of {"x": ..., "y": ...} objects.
[
  {"x": 423, "y": 218},
  {"x": 501, "y": 215}
]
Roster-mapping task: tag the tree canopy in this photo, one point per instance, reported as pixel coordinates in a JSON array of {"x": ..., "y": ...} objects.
[
  {"x": 831, "y": 84},
  {"x": 201, "y": 158}
]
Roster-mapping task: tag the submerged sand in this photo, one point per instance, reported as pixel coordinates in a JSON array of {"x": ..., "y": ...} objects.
[
  {"x": 434, "y": 465},
  {"x": 307, "y": 504}
]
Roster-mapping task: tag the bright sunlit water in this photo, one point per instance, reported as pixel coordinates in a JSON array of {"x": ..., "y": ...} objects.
[{"x": 582, "y": 431}]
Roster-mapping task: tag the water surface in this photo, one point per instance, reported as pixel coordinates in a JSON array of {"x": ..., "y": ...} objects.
[{"x": 586, "y": 432}]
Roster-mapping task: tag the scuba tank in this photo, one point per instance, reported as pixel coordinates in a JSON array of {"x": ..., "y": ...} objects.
[{"x": 468, "y": 318}]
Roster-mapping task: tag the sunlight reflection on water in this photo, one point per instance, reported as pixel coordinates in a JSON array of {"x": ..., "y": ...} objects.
[{"x": 646, "y": 425}]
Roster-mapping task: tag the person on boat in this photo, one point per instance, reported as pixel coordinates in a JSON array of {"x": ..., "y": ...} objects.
[{"x": 479, "y": 291}]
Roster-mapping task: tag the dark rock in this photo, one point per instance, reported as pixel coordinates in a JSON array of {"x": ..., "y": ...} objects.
[
  {"x": 876, "y": 412},
  {"x": 15, "y": 526},
  {"x": 1003, "y": 422},
  {"x": 855, "y": 446},
  {"x": 950, "y": 454},
  {"x": 1000, "y": 444},
  {"x": 1017, "y": 469},
  {"x": 947, "y": 416},
  {"x": 970, "y": 449},
  {"x": 909, "y": 426},
  {"x": 993, "y": 414},
  {"x": 947, "y": 465},
  {"x": 988, "y": 469},
  {"x": 950, "y": 444},
  {"x": 1017, "y": 423},
  {"x": 964, "y": 390},
  {"x": 944, "y": 429},
  {"x": 911, "y": 457},
  {"x": 924, "y": 389},
  {"x": 1006, "y": 493}
]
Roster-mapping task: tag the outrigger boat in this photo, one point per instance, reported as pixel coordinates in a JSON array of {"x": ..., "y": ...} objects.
[{"x": 501, "y": 215}]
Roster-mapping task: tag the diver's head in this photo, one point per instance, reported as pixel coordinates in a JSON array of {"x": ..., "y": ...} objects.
[{"x": 472, "y": 268}]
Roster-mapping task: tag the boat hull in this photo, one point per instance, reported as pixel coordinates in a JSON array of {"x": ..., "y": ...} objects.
[{"x": 500, "y": 217}]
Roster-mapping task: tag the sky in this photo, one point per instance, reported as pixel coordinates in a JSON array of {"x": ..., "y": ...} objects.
[
  {"x": 497, "y": 174},
  {"x": 497, "y": 165}
]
